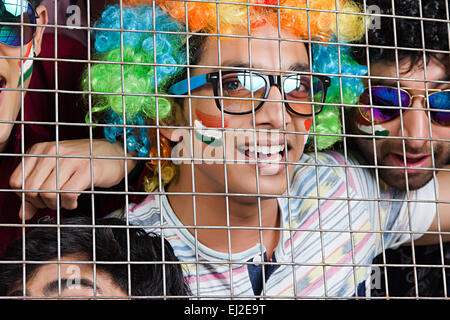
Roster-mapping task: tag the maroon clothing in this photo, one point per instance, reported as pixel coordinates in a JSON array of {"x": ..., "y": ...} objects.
[{"x": 40, "y": 106}]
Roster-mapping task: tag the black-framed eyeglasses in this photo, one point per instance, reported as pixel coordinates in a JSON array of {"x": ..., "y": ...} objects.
[{"x": 247, "y": 86}]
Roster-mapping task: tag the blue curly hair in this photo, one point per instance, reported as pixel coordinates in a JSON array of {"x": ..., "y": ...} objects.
[
  {"x": 130, "y": 78},
  {"x": 326, "y": 60}
]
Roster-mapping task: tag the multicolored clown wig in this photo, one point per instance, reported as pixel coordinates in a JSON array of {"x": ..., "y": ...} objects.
[{"x": 138, "y": 65}]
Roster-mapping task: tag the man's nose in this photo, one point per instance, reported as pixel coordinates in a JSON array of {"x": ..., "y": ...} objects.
[
  {"x": 273, "y": 113},
  {"x": 416, "y": 123}
]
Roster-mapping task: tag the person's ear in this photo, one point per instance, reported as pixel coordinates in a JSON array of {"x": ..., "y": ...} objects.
[
  {"x": 42, "y": 20},
  {"x": 177, "y": 119},
  {"x": 174, "y": 135}
]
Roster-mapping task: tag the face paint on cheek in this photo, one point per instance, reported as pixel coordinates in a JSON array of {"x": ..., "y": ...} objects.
[
  {"x": 211, "y": 121},
  {"x": 26, "y": 65},
  {"x": 307, "y": 124},
  {"x": 208, "y": 136},
  {"x": 366, "y": 127},
  {"x": 203, "y": 133}
]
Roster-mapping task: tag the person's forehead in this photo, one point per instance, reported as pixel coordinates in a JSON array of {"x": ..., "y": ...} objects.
[
  {"x": 69, "y": 276},
  {"x": 411, "y": 74},
  {"x": 269, "y": 50},
  {"x": 68, "y": 266}
]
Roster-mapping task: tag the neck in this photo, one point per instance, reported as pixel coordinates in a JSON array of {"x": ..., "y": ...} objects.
[{"x": 237, "y": 221}]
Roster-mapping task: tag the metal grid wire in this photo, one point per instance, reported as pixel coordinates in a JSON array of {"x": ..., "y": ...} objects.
[{"x": 58, "y": 27}]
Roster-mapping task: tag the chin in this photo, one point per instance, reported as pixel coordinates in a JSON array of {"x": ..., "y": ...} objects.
[
  {"x": 397, "y": 179},
  {"x": 273, "y": 185},
  {"x": 5, "y": 132},
  {"x": 245, "y": 182}
]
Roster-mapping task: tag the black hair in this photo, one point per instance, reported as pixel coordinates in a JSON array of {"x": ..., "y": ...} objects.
[
  {"x": 408, "y": 31},
  {"x": 147, "y": 279},
  {"x": 35, "y": 3}
]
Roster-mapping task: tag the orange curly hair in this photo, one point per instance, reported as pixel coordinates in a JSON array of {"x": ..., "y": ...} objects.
[{"x": 314, "y": 21}]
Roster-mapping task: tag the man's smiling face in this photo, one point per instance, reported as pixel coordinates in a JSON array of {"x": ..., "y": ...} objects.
[{"x": 422, "y": 138}]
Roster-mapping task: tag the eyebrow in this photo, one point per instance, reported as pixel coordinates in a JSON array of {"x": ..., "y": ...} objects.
[
  {"x": 393, "y": 83},
  {"x": 52, "y": 287},
  {"x": 244, "y": 65},
  {"x": 18, "y": 293}
]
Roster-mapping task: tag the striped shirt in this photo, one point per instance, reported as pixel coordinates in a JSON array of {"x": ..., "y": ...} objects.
[{"x": 331, "y": 233}]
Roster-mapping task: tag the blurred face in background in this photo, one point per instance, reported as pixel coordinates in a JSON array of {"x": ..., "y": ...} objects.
[
  {"x": 69, "y": 280},
  {"x": 15, "y": 73}
]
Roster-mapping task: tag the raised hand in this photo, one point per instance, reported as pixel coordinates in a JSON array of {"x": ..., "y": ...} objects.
[{"x": 74, "y": 159}]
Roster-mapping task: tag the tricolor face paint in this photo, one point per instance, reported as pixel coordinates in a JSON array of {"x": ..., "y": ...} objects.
[
  {"x": 366, "y": 126},
  {"x": 202, "y": 132},
  {"x": 307, "y": 124},
  {"x": 26, "y": 65},
  {"x": 209, "y": 136}
]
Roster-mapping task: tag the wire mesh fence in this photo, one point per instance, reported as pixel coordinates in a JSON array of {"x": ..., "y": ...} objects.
[{"x": 239, "y": 149}]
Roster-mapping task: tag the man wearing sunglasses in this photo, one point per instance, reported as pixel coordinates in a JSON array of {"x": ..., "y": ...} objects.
[
  {"x": 417, "y": 106},
  {"x": 403, "y": 120}
]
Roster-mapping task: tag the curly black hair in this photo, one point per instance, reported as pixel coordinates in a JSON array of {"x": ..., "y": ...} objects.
[
  {"x": 408, "y": 31},
  {"x": 35, "y": 3},
  {"x": 111, "y": 244}
]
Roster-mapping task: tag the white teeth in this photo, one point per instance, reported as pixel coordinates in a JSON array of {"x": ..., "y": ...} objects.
[{"x": 266, "y": 149}]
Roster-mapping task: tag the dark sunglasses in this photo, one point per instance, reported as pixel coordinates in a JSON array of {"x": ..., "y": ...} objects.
[
  {"x": 438, "y": 103},
  {"x": 12, "y": 11},
  {"x": 240, "y": 88}
]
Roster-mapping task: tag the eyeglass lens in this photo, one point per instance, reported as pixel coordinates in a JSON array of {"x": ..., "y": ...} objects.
[
  {"x": 242, "y": 87},
  {"x": 392, "y": 97},
  {"x": 11, "y": 11}
]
